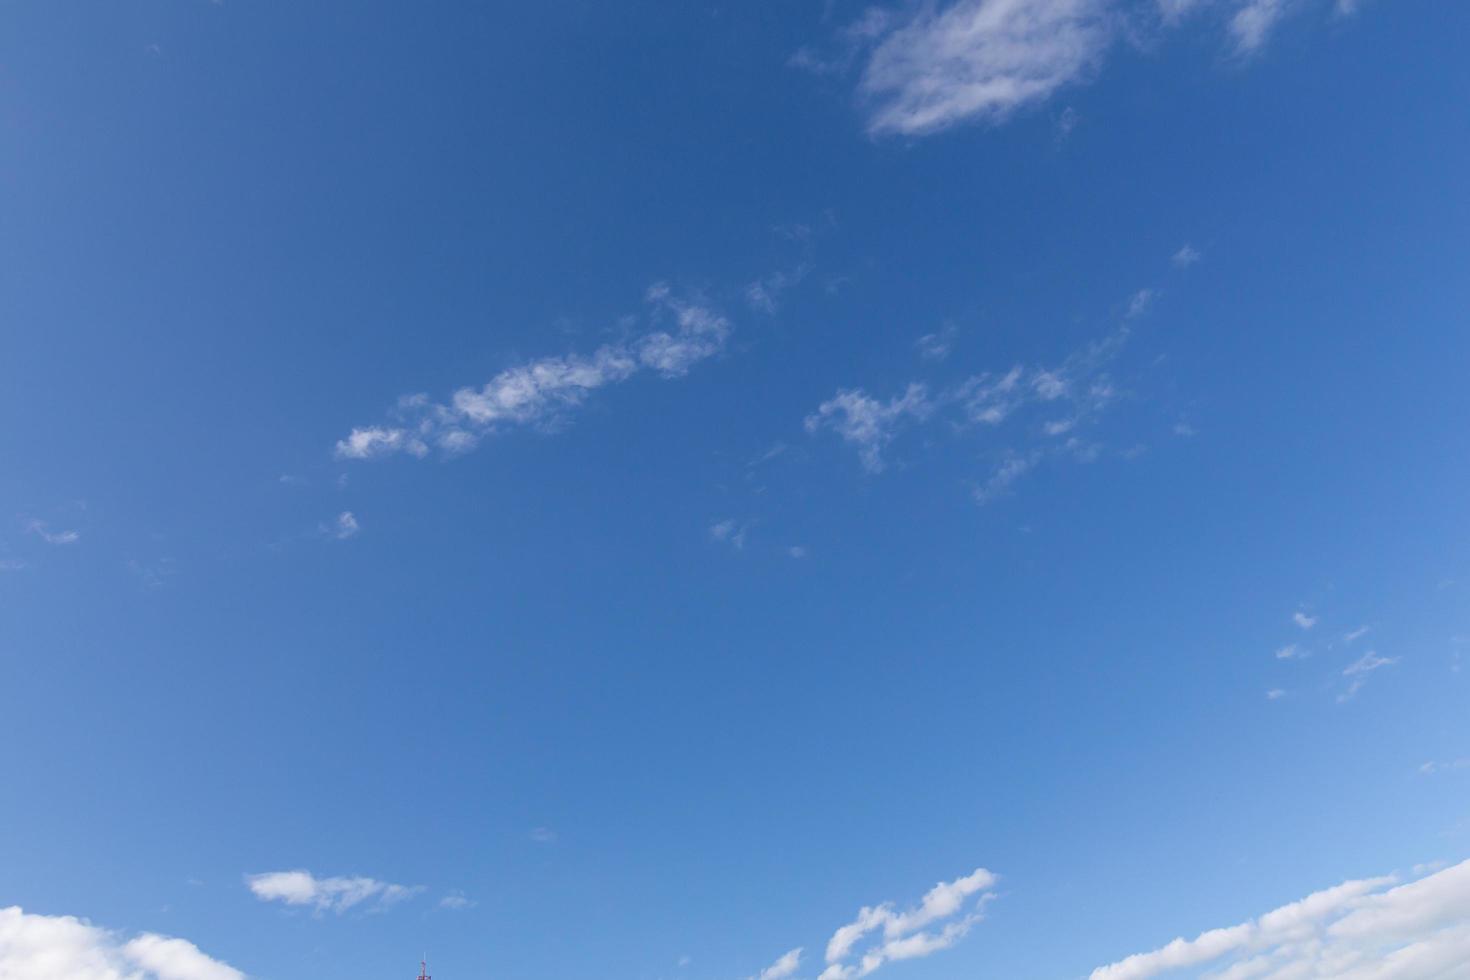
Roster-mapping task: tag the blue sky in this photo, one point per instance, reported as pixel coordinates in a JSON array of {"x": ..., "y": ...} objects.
[{"x": 675, "y": 490}]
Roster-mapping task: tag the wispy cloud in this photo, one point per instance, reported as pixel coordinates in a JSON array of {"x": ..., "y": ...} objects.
[
  {"x": 936, "y": 346},
  {"x": 1052, "y": 404},
  {"x": 785, "y": 966},
  {"x": 1430, "y": 768},
  {"x": 1292, "y": 651},
  {"x": 764, "y": 294},
  {"x": 1360, "y": 930},
  {"x": 1358, "y": 672},
  {"x": 926, "y": 67},
  {"x": 729, "y": 531},
  {"x": 42, "y": 531},
  {"x": 1303, "y": 620},
  {"x": 344, "y": 527},
  {"x": 1253, "y": 23},
  {"x": 543, "y": 835},
  {"x": 1187, "y": 256},
  {"x": 456, "y": 902},
  {"x": 958, "y": 904},
  {"x": 337, "y": 894},
  {"x": 1140, "y": 301},
  {"x": 37, "y": 946},
  {"x": 979, "y": 59},
  {"x": 1275, "y": 694},
  {"x": 542, "y": 392},
  {"x": 868, "y": 423}
]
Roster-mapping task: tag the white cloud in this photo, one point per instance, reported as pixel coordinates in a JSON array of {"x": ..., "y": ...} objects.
[
  {"x": 1356, "y": 634},
  {"x": 980, "y": 59},
  {"x": 1187, "y": 255},
  {"x": 1359, "y": 670},
  {"x": 944, "y": 64},
  {"x": 797, "y": 551},
  {"x": 1139, "y": 303},
  {"x": 764, "y": 295},
  {"x": 1303, "y": 620},
  {"x": 541, "y": 392},
  {"x": 1070, "y": 394},
  {"x": 784, "y": 967},
  {"x": 1275, "y": 694},
  {"x": 1253, "y": 22},
  {"x": 456, "y": 902},
  {"x": 868, "y": 423},
  {"x": 936, "y": 346},
  {"x": 1430, "y": 768},
  {"x": 901, "y": 938},
  {"x": 1008, "y": 472},
  {"x": 37, "y": 947},
  {"x": 729, "y": 532},
  {"x": 345, "y": 526},
  {"x": 11, "y": 565},
  {"x": 1360, "y": 930},
  {"x": 327, "y": 894},
  {"x": 40, "y": 529},
  {"x": 1292, "y": 651},
  {"x": 543, "y": 835}
]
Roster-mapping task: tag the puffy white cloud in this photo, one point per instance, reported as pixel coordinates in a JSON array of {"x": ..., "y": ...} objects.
[
  {"x": 980, "y": 59},
  {"x": 1303, "y": 620},
  {"x": 326, "y": 894},
  {"x": 41, "y": 947},
  {"x": 1360, "y": 930},
  {"x": 543, "y": 391}
]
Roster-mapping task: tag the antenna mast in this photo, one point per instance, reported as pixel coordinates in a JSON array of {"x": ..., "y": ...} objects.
[{"x": 424, "y": 969}]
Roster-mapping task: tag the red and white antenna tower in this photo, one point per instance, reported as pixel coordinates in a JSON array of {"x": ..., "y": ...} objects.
[{"x": 424, "y": 969}]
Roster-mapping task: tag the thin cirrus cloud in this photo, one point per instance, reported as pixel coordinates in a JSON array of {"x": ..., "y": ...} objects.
[
  {"x": 543, "y": 392},
  {"x": 1368, "y": 929},
  {"x": 335, "y": 894},
  {"x": 38, "y": 946},
  {"x": 41, "y": 530},
  {"x": 941, "y": 65},
  {"x": 1049, "y": 408},
  {"x": 1357, "y": 672}
]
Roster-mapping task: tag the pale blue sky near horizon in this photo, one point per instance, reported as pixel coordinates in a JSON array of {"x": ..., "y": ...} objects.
[{"x": 614, "y": 490}]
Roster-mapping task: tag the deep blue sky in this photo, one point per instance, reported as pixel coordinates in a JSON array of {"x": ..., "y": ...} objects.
[{"x": 670, "y": 672}]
